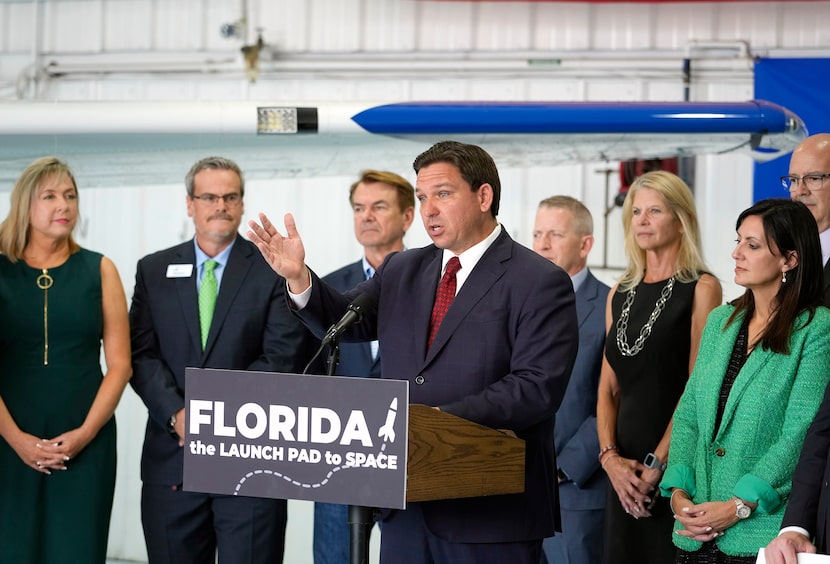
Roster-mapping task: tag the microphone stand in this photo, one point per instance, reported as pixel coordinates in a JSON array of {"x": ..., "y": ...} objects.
[{"x": 361, "y": 519}]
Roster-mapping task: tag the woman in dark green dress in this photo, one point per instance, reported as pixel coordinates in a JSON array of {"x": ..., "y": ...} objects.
[{"x": 58, "y": 304}]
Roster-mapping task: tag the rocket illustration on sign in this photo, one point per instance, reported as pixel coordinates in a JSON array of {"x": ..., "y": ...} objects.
[{"x": 387, "y": 430}]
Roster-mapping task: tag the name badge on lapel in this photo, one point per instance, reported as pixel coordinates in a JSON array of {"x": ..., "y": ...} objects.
[{"x": 179, "y": 270}]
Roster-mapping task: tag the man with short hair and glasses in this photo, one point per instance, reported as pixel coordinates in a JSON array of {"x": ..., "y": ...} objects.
[
  {"x": 808, "y": 182},
  {"x": 211, "y": 302},
  {"x": 806, "y": 522}
]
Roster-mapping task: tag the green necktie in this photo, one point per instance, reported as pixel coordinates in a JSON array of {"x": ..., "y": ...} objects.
[{"x": 207, "y": 299}]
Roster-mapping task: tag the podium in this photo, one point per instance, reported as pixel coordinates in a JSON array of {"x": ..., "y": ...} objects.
[
  {"x": 338, "y": 440},
  {"x": 450, "y": 457}
]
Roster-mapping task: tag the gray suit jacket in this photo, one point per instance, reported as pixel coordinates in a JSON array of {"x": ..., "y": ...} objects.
[{"x": 575, "y": 435}]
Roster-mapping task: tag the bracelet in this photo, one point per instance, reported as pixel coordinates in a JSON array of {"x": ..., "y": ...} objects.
[
  {"x": 604, "y": 450},
  {"x": 671, "y": 498},
  {"x": 606, "y": 459}
]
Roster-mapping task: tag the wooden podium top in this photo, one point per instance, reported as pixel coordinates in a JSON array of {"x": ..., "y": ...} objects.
[{"x": 450, "y": 457}]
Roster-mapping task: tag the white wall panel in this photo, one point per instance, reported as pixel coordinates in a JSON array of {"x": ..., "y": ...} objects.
[
  {"x": 676, "y": 25},
  {"x": 389, "y": 26},
  {"x": 501, "y": 26},
  {"x": 553, "y": 90},
  {"x": 17, "y": 27},
  {"x": 603, "y": 90},
  {"x": 73, "y": 26},
  {"x": 179, "y": 25},
  {"x": 626, "y": 26},
  {"x": 273, "y": 89},
  {"x": 489, "y": 89},
  {"x": 239, "y": 89},
  {"x": 128, "y": 26},
  {"x": 734, "y": 21},
  {"x": 563, "y": 26},
  {"x": 664, "y": 90},
  {"x": 183, "y": 89},
  {"x": 337, "y": 25},
  {"x": 446, "y": 26},
  {"x": 439, "y": 89},
  {"x": 123, "y": 90},
  {"x": 801, "y": 25},
  {"x": 383, "y": 90},
  {"x": 721, "y": 193}
]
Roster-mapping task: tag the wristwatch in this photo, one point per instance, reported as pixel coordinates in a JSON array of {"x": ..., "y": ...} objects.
[
  {"x": 742, "y": 510},
  {"x": 651, "y": 461}
]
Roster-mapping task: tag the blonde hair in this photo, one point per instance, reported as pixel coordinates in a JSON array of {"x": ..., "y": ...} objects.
[
  {"x": 678, "y": 196},
  {"x": 14, "y": 231}
]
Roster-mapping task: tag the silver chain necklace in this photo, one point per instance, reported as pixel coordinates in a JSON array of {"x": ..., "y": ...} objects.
[{"x": 622, "y": 322}]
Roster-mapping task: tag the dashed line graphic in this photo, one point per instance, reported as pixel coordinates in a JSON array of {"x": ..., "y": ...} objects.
[
  {"x": 386, "y": 432},
  {"x": 292, "y": 481}
]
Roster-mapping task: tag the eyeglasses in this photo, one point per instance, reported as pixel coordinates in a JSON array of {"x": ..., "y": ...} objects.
[
  {"x": 811, "y": 182},
  {"x": 233, "y": 199}
]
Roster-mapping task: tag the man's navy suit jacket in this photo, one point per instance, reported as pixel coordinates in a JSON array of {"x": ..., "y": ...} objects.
[
  {"x": 355, "y": 358},
  {"x": 252, "y": 329},
  {"x": 501, "y": 358},
  {"x": 575, "y": 434},
  {"x": 809, "y": 504}
]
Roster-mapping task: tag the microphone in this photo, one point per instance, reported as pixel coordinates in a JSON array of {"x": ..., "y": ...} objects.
[{"x": 354, "y": 314}]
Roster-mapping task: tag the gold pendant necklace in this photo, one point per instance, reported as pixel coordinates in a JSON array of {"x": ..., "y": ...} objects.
[{"x": 44, "y": 282}]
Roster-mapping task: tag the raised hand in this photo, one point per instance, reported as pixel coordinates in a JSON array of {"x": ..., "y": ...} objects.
[{"x": 285, "y": 255}]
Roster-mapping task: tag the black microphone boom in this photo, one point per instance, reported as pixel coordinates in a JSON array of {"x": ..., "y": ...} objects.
[{"x": 354, "y": 314}]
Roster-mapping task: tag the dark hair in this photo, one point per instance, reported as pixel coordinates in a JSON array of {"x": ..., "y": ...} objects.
[
  {"x": 474, "y": 164},
  {"x": 213, "y": 163},
  {"x": 789, "y": 226},
  {"x": 403, "y": 189}
]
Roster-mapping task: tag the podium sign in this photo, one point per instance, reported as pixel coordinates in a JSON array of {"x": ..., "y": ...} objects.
[{"x": 290, "y": 436}]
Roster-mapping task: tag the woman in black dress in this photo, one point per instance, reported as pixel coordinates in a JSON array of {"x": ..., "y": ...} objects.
[{"x": 654, "y": 316}]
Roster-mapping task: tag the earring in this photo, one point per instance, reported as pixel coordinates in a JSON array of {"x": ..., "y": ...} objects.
[{"x": 784, "y": 277}]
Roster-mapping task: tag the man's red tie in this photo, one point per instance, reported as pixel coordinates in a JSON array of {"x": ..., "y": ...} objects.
[{"x": 443, "y": 297}]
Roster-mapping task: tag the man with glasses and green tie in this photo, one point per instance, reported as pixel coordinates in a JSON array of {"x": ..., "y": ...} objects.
[
  {"x": 211, "y": 302},
  {"x": 809, "y": 183}
]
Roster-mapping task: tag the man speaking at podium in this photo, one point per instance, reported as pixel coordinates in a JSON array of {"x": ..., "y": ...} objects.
[{"x": 482, "y": 328}]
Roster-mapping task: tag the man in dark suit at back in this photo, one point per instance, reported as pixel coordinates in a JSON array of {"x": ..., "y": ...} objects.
[
  {"x": 383, "y": 206},
  {"x": 808, "y": 182},
  {"x": 482, "y": 328},
  {"x": 806, "y": 523},
  {"x": 563, "y": 234},
  {"x": 807, "y": 517},
  {"x": 211, "y": 302}
]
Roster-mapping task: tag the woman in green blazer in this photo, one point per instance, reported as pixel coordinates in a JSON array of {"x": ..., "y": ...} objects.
[{"x": 763, "y": 363}]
